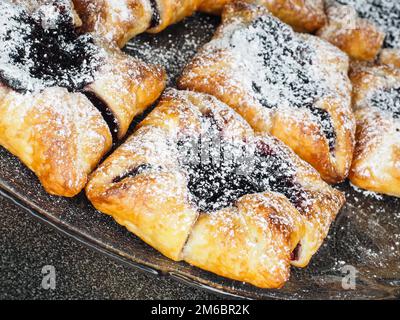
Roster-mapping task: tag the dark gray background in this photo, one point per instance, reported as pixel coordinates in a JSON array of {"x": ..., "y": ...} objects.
[{"x": 26, "y": 245}]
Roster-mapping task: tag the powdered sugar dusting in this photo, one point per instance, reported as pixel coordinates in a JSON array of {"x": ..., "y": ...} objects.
[
  {"x": 278, "y": 68},
  {"x": 41, "y": 49},
  {"x": 171, "y": 51},
  {"x": 385, "y": 13}
]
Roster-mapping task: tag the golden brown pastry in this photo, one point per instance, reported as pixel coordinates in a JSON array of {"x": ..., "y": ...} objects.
[
  {"x": 116, "y": 21},
  {"x": 360, "y": 38},
  {"x": 293, "y": 86},
  {"x": 376, "y": 96},
  {"x": 168, "y": 12},
  {"x": 390, "y": 57},
  {"x": 59, "y": 135},
  {"x": 61, "y": 94},
  {"x": 197, "y": 184},
  {"x": 302, "y": 15},
  {"x": 119, "y": 21},
  {"x": 362, "y": 27}
]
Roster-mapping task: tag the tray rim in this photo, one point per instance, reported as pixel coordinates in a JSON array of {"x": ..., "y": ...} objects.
[
  {"x": 9, "y": 195},
  {"x": 7, "y": 191}
]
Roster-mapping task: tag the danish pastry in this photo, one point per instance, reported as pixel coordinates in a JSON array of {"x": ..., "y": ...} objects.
[
  {"x": 360, "y": 38},
  {"x": 197, "y": 184},
  {"x": 50, "y": 78},
  {"x": 293, "y": 86},
  {"x": 302, "y": 15},
  {"x": 119, "y": 21},
  {"x": 361, "y": 28},
  {"x": 376, "y": 95}
]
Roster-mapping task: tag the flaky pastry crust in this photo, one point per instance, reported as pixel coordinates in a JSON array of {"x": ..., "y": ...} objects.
[
  {"x": 376, "y": 96},
  {"x": 57, "y": 112},
  {"x": 233, "y": 73},
  {"x": 58, "y": 135},
  {"x": 255, "y": 238},
  {"x": 361, "y": 39}
]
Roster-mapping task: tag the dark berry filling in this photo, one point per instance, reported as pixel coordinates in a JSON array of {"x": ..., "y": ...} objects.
[
  {"x": 287, "y": 61},
  {"x": 294, "y": 256},
  {"x": 106, "y": 113},
  {"x": 388, "y": 100},
  {"x": 155, "y": 16},
  {"x": 220, "y": 171},
  {"x": 133, "y": 172},
  {"x": 43, "y": 49}
]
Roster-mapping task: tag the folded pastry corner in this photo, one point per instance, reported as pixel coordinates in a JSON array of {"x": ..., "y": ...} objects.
[
  {"x": 119, "y": 21},
  {"x": 67, "y": 92},
  {"x": 302, "y": 15},
  {"x": 294, "y": 86},
  {"x": 376, "y": 96},
  {"x": 362, "y": 28},
  {"x": 126, "y": 86},
  {"x": 390, "y": 57},
  {"x": 197, "y": 184},
  {"x": 116, "y": 21},
  {"x": 360, "y": 38},
  {"x": 58, "y": 135}
]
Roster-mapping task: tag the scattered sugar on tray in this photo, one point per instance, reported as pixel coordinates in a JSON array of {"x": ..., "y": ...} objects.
[
  {"x": 367, "y": 193},
  {"x": 176, "y": 52}
]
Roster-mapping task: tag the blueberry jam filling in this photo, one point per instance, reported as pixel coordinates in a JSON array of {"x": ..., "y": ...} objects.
[
  {"x": 133, "y": 172},
  {"x": 295, "y": 255},
  {"x": 42, "y": 49},
  {"x": 385, "y": 13},
  {"x": 388, "y": 100},
  {"x": 155, "y": 16},
  {"x": 106, "y": 113},
  {"x": 221, "y": 171},
  {"x": 287, "y": 78}
]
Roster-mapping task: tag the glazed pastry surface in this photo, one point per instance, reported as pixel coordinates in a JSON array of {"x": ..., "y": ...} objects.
[
  {"x": 69, "y": 93},
  {"x": 196, "y": 183},
  {"x": 376, "y": 95},
  {"x": 293, "y": 86}
]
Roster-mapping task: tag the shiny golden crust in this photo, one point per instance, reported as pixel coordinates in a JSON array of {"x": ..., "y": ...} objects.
[
  {"x": 359, "y": 38},
  {"x": 153, "y": 201},
  {"x": 119, "y": 21},
  {"x": 151, "y": 205},
  {"x": 323, "y": 203},
  {"x": 172, "y": 11},
  {"x": 213, "y": 6},
  {"x": 128, "y": 86},
  {"x": 60, "y": 136},
  {"x": 376, "y": 164},
  {"x": 250, "y": 242},
  {"x": 211, "y": 71},
  {"x": 76, "y": 137},
  {"x": 390, "y": 57},
  {"x": 302, "y": 15},
  {"x": 116, "y": 21}
]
